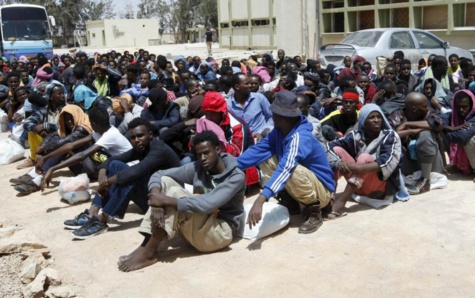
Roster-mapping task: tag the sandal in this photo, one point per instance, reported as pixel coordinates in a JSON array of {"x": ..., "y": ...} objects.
[
  {"x": 335, "y": 215},
  {"x": 21, "y": 180},
  {"x": 27, "y": 188}
]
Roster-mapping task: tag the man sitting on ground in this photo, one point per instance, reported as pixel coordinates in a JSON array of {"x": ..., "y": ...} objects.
[
  {"x": 119, "y": 184},
  {"x": 109, "y": 141},
  {"x": 290, "y": 157},
  {"x": 391, "y": 103},
  {"x": 208, "y": 219},
  {"x": 419, "y": 134},
  {"x": 339, "y": 122},
  {"x": 460, "y": 132},
  {"x": 252, "y": 107}
]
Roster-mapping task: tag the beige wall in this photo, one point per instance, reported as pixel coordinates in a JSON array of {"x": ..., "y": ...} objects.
[
  {"x": 122, "y": 33},
  {"x": 290, "y": 25},
  {"x": 286, "y": 33}
]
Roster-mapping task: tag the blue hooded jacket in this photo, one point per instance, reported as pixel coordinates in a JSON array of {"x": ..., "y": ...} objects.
[
  {"x": 298, "y": 147},
  {"x": 209, "y": 76}
]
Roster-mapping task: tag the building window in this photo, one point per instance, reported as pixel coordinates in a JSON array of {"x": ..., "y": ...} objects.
[
  {"x": 400, "y": 17},
  {"x": 93, "y": 35},
  {"x": 263, "y": 22},
  {"x": 434, "y": 17},
  {"x": 470, "y": 20},
  {"x": 224, "y": 25},
  {"x": 332, "y": 4},
  {"x": 240, "y": 23},
  {"x": 365, "y": 19}
]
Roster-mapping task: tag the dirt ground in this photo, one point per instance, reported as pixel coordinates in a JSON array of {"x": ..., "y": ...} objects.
[{"x": 420, "y": 248}]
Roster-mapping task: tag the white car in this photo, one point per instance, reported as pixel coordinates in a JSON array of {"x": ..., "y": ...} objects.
[
  {"x": 372, "y": 43},
  {"x": 473, "y": 53}
]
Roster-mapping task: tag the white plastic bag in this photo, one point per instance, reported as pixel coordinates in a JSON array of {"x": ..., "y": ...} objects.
[
  {"x": 437, "y": 180},
  {"x": 17, "y": 131},
  {"x": 360, "y": 199},
  {"x": 274, "y": 218},
  {"x": 10, "y": 151},
  {"x": 75, "y": 189}
]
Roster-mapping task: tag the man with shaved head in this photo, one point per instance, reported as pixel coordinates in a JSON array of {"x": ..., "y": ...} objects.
[{"x": 420, "y": 136}]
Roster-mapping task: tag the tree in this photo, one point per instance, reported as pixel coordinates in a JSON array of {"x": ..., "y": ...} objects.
[
  {"x": 208, "y": 13},
  {"x": 147, "y": 9},
  {"x": 70, "y": 17},
  {"x": 178, "y": 16},
  {"x": 98, "y": 10},
  {"x": 129, "y": 12}
]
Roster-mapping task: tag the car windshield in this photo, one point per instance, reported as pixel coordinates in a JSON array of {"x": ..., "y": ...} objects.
[{"x": 363, "y": 38}]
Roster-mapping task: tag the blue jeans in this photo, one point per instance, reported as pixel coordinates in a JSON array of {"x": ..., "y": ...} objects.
[{"x": 119, "y": 197}]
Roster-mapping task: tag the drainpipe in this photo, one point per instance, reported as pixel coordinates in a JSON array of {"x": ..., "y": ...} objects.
[{"x": 304, "y": 26}]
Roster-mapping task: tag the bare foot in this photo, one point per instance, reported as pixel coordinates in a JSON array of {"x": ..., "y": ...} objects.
[
  {"x": 337, "y": 208},
  {"x": 127, "y": 257},
  {"x": 139, "y": 259}
]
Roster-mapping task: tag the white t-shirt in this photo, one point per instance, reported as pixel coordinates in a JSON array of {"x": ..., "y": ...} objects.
[{"x": 113, "y": 142}]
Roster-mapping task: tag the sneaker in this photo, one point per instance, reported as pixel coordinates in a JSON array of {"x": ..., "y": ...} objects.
[
  {"x": 78, "y": 221},
  {"x": 92, "y": 228},
  {"x": 422, "y": 185},
  {"x": 21, "y": 180}
]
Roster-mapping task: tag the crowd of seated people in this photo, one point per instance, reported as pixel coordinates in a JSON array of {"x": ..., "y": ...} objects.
[{"x": 144, "y": 127}]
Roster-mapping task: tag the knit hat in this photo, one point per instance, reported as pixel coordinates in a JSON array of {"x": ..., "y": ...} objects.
[
  {"x": 13, "y": 60},
  {"x": 285, "y": 104}
]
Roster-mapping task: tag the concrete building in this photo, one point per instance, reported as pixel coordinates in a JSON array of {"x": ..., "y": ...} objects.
[
  {"x": 264, "y": 24},
  {"x": 450, "y": 20},
  {"x": 122, "y": 33}
]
